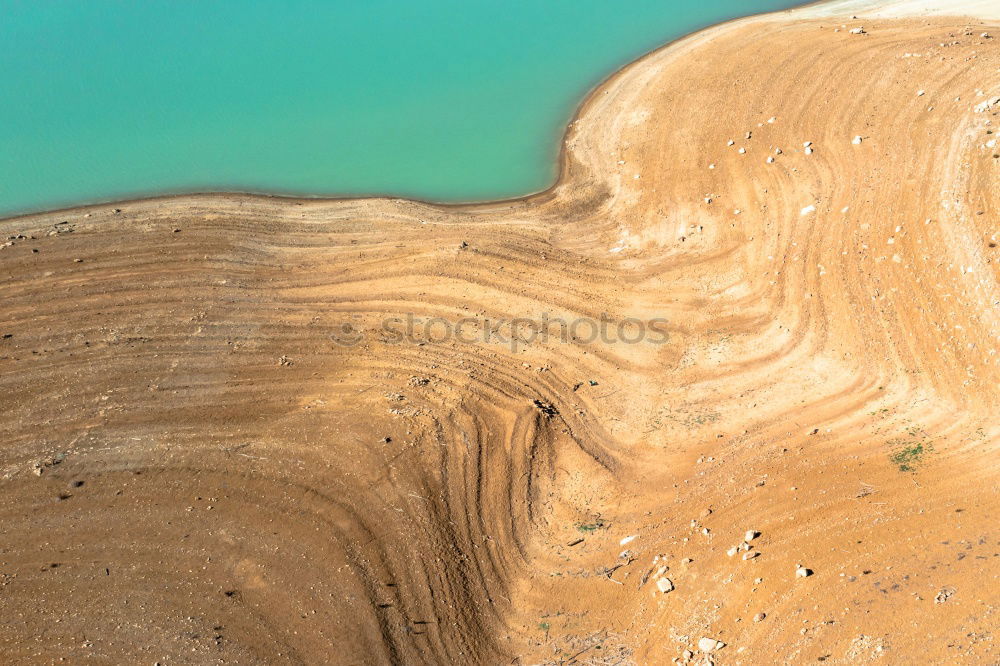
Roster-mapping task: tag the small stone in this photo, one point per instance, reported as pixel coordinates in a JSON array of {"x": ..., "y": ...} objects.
[
  {"x": 664, "y": 585},
  {"x": 628, "y": 539},
  {"x": 802, "y": 572},
  {"x": 750, "y": 555},
  {"x": 751, "y": 535},
  {"x": 759, "y": 617},
  {"x": 732, "y": 551},
  {"x": 857, "y": 140},
  {"x": 710, "y": 644}
]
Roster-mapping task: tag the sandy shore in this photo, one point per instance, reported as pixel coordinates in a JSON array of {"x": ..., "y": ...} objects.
[
  {"x": 980, "y": 9},
  {"x": 217, "y": 449}
]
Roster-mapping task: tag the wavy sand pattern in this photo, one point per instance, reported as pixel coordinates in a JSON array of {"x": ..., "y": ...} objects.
[{"x": 195, "y": 472}]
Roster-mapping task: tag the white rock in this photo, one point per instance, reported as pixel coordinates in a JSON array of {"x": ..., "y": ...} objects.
[
  {"x": 921, "y": 93},
  {"x": 664, "y": 585},
  {"x": 982, "y": 107},
  {"x": 751, "y": 535},
  {"x": 772, "y": 120},
  {"x": 777, "y": 151},
  {"x": 770, "y": 160},
  {"x": 731, "y": 143},
  {"x": 628, "y": 539},
  {"x": 802, "y": 572},
  {"x": 743, "y": 151},
  {"x": 750, "y": 555},
  {"x": 807, "y": 144},
  {"x": 732, "y": 551},
  {"x": 857, "y": 31},
  {"x": 710, "y": 644},
  {"x": 857, "y": 140},
  {"x": 809, "y": 151},
  {"x": 808, "y": 209}
]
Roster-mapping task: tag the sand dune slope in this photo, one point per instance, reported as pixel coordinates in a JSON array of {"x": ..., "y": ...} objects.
[{"x": 222, "y": 443}]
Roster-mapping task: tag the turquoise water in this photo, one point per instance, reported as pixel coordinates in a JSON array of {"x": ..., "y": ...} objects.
[{"x": 447, "y": 100}]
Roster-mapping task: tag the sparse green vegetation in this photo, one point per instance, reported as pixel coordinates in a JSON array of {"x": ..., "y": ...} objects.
[
  {"x": 591, "y": 527},
  {"x": 909, "y": 451},
  {"x": 908, "y": 457}
]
